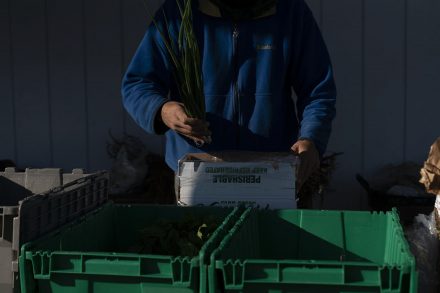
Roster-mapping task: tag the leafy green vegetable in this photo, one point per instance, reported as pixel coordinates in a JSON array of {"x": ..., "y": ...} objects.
[
  {"x": 184, "y": 55},
  {"x": 177, "y": 238}
]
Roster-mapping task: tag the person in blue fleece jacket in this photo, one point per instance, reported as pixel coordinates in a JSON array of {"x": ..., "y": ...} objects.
[{"x": 254, "y": 52}]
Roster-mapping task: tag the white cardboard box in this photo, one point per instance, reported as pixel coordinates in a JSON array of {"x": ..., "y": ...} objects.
[{"x": 232, "y": 178}]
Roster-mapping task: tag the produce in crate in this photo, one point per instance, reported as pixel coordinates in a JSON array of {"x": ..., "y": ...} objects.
[
  {"x": 184, "y": 238},
  {"x": 91, "y": 254}
]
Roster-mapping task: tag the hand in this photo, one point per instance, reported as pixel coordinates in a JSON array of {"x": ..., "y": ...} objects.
[
  {"x": 308, "y": 160},
  {"x": 174, "y": 116}
]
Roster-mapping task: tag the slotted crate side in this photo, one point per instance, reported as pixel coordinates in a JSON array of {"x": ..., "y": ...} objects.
[
  {"x": 91, "y": 255},
  {"x": 42, "y": 213},
  {"x": 45, "y": 212},
  {"x": 313, "y": 251},
  {"x": 16, "y": 186}
]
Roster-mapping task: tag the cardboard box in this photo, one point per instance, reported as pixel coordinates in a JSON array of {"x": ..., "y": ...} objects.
[{"x": 264, "y": 180}]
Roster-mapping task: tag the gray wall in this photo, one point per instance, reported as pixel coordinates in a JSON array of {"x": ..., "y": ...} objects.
[
  {"x": 61, "y": 64},
  {"x": 60, "y": 71}
]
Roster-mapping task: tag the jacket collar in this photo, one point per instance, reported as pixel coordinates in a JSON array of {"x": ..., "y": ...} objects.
[{"x": 209, "y": 8}]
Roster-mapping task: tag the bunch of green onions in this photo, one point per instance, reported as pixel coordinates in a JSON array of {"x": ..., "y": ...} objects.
[{"x": 186, "y": 61}]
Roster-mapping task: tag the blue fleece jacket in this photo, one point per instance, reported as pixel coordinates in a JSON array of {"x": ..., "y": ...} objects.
[{"x": 249, "y": 70}]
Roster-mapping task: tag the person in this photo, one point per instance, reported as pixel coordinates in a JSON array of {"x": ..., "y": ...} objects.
[{"x": 254, "y": 52}]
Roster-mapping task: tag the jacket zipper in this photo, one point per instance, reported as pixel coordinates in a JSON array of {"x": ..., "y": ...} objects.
[{"x": 235, "y": 34}]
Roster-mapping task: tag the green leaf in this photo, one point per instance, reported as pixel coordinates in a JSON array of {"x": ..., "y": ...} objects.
[{"x": 186, "y": 60}]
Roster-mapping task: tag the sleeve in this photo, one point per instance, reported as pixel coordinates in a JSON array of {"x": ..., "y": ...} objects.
[
  {"x": 314, "y": 84},
  {"x": 147, "y": 81}
]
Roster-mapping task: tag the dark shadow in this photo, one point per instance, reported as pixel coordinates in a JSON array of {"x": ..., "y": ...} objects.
[
  {"x": 293, "y": 254},
  {"x": 407, "y": 206},
  {"x": 5, "y": 164},
  {"x": 158, "y": 186},
  {"x": 281, "y": 239},
  {"x": 228, "y": 135},
  {"x": 11, "y": 193},
  {"x": 267, "y": 236}
]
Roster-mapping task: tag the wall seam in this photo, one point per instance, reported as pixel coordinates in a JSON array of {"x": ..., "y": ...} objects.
[
  {"x": 12, "y": 80},
  {"x": 363, "y": 82},
  {"x": 122, "y": 36},
  {"x": 48, "y": 81},
  {"x": 321, "y": 14},
  {"x": 363, "y": 77},
  {"x": 86, "y": 92},
  {"x": 405, "y": 82}
]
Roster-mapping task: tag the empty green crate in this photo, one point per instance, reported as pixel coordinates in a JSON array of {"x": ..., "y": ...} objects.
[
  {"x": 313, "y": 251},
  {"x": 88, "y": 255}
]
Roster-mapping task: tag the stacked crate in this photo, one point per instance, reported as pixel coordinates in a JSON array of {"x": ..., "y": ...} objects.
[{"x": 35, "y": 202}]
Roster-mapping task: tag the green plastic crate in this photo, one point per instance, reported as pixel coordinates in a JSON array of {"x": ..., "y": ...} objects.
[
  {"x": 85, "y": 256},
  {"x": 313, "y": 251}
]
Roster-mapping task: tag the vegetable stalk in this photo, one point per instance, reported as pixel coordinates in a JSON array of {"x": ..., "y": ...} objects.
[{"x": 184, "y": 55}]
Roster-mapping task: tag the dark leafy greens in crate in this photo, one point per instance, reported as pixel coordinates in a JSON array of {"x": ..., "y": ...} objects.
[
  {"x": 184, "y": 238},
  {"x": 91, "y": 254}
]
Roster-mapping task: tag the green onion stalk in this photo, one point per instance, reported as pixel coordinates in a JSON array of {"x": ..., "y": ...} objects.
[{"x": 185, "y": 58}]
